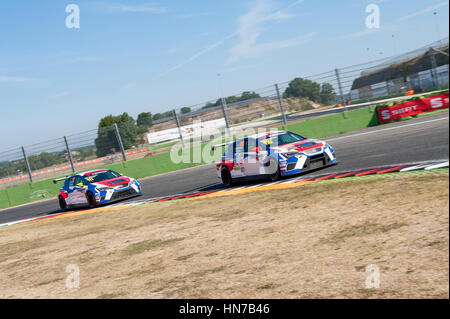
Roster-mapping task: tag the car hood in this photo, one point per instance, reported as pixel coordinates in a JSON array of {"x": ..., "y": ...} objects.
[
  {"x": 113, "y": 182},
  {"x": 300, "y": 146}
]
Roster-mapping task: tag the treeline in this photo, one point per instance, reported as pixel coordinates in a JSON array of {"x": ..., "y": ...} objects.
[
  {"x": 323, "y": 94},
  {"x": 131, "y": 131},
  {"x": 233, "y": 99},
  {"x": 43, "y": 160}
]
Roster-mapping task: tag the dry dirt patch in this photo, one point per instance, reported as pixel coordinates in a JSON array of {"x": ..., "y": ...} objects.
[{"x": 313, "y": 241}]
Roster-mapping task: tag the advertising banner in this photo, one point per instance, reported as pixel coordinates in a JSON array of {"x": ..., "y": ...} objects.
[{"x": 428, "y": 104}]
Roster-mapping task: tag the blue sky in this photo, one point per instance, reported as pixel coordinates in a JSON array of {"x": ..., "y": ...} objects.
[{"x": 138, "y": 56}]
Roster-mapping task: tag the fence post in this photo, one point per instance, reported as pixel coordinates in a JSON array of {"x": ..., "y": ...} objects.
[
  {"x": 119, "y": 139},
  {"x": 69, "y": 152},
  {"x": 433, "y": 68},
  {"x": 27, "y": 164},
  {"x": 179, "y": 127},
  {"x": 223, "y": 103},
  {"x": 280, "y": 101},
  {"x": 341, "y": 92}
]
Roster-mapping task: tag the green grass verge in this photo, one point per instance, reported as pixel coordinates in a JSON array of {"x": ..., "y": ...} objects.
[
  {"x": 321, "y": 127},
  {"x": 335, "y": 124},
  {"x": 143, "y": 167}
]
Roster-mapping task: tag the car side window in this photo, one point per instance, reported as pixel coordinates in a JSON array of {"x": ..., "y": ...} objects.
[
  {"x": 251, "y": 145},
  {"x": 78, "y": 180},
  {"x": 229, "y": 151},
  {"x": 240, "y": 146},
  {"x": 71, "y": 182}
]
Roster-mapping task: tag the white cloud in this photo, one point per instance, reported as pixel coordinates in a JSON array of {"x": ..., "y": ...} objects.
[
  {"x": 60, "y": 94},
  {"x": 252, "y": 24},
  {"x": 238, "y": 68},
  {"x": 118, "y": 7},
  {"x": 255, "y": 50},
  {"x": 197, "y": 55},
  {"x": 278, "y": 15},
  {"x": 24, "y": 81},
  {"x": 423, "y": 11},
  {"x": 129, "y": 86},
  {"x": 361, "y": 33},
  {"x": 87, "y": 58},
  {"x": 195, "y": 15},
  {"x": 14, "y": 79}
]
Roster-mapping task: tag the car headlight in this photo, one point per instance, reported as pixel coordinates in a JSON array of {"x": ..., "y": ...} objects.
[
  {"x": 329, "y": 147},
  {"x": 102, "y": 188},
  {"x": 290, "y": 154}
]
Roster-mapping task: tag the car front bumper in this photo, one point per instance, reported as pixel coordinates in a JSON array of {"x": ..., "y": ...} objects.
[
  {"x": 112, "y": 195},
  {"x": 296, "y": 165}
]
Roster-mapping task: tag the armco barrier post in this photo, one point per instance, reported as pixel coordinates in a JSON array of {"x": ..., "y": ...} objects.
[
  {"x": 69, "y": 152},
  {"x": 434, "y": 68},
  {"x": 179, "y": 127},
  {"x": 224, "y": 105},
  {"x": 119, "y": 139},
  {"x": 27, "y": 164},
  {"x": 280, "y": 101},
  {"x": 341, "y": 94}
]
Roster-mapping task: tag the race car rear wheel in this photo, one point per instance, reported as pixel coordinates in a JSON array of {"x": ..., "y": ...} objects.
[
  {"x": 225, "y": 174},
  {"x": 91, "y": 200},
  {"x": 62, "y": 204},
  {"x": 274, "y": 176}
]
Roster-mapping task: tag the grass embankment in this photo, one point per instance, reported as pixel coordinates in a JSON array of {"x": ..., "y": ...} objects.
[
  {"x": 138, "y": 168},
  {"x": 265, "y": 244},
  {"x": 321, "y": 127}
]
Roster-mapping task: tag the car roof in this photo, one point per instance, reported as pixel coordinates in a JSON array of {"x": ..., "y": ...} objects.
[
  {"x": 267, "y": 134},
  {"x": 259, "y": 135},
  {"x": 88, "y": 173}
]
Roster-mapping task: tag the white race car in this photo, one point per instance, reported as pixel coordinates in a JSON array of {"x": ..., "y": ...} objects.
[{"x": 273, "y": 154}]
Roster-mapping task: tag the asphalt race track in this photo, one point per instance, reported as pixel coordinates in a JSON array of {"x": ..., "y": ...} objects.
[{"x": 416, "y": 140}]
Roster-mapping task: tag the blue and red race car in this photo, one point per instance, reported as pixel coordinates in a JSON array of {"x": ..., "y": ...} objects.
[
  {"x": 96, "y": 187},
  {"x": 272, "y": 154}
]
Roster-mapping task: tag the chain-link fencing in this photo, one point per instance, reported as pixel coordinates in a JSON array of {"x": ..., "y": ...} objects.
[{"x": 272, "y": 106}]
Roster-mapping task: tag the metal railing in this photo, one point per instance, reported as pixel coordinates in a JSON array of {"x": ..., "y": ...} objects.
[{"x": 270, "y": 105}]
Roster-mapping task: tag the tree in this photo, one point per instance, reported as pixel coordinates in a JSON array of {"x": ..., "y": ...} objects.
[
  {"x": 327, "y": 94},
  {"x": 185, "y": 110},
  {"x": 106, "y": 140},
  {"x": 144, "y": 119},
  {"x": 157, "y": 116},
  {"x": 246, "y": 95},
  {"x": 303, "y": 88}
]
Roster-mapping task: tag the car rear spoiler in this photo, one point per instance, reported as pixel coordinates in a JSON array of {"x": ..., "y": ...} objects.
[
  {"x": 59, "y": 179},
  {"x": 219, "y": 145}
]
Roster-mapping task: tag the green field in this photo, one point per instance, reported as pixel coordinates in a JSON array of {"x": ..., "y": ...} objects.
[{"x": 320, "y": 127}]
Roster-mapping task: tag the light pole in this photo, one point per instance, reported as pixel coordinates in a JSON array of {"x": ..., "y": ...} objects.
[
  {"x": 395, "y": 45},
  {"x": 437, "y": 26},
  {"x": 223, "y": 103}
]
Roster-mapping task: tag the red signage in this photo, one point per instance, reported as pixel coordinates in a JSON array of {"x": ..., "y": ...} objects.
[{"x": 427, "y": 104}]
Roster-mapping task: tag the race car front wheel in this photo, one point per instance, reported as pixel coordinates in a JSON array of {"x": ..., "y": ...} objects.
[
  {"x": 227, "y": 180},
  {"x": 62, "y": 203},
  {"x": 273, "y": 165},
  {"x": 91, "y": 200}
]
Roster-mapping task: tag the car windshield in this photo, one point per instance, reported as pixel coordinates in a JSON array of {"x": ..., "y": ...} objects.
[
  {"x": 101, "y": 176},
  {"x": 282, "y": 139}
]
